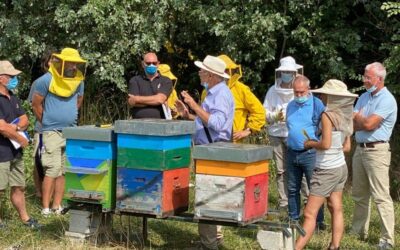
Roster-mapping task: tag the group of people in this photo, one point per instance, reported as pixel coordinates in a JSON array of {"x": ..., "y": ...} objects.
[
  {"x": 310, "y": 136},
  {"x": 309, "y": 130},
  {"x": 55, "y": 97}
]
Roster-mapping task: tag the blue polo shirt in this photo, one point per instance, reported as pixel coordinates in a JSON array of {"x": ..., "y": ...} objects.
[
  {"x": 58, "y": 112},
  {"x": 299, "y": 117},
  {"x": 382, "y": 104}
]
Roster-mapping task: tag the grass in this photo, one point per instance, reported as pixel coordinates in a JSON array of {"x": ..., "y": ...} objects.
[{"x": 163, "y": 234}]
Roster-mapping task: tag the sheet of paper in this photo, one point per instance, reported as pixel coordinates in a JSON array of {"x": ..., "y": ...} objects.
[{"x": 167, "y": 112}]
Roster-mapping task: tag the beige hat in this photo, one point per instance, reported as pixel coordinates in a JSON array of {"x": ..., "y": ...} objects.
[
  {"x": 6, "y": 68},
  {"x": 214, "y": 65},
  {"x": 334, "y": 87}
]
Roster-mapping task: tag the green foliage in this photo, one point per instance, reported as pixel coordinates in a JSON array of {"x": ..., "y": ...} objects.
[
  {"x": 331, "y": 38},
  {"x": 392, "y": 8}
]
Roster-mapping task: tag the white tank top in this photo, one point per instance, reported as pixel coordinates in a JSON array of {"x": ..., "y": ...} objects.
[{"x": 334, "y": 156}]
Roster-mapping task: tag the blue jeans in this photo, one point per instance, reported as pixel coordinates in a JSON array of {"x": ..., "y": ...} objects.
[{"x": 299, "y": 163}]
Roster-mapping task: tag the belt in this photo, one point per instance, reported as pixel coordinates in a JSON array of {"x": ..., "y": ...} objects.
[
  {"x": 370, "y": 144},
  {"x": 299, "y": 151}
]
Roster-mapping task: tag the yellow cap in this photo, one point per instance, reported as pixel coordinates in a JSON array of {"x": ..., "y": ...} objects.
[
  {"x": 229, "y": 63},
  {"x": 165, "y": 70},
  {"x": 70, "y": 55}
]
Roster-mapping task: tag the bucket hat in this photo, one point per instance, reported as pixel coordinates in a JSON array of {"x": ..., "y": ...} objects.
[{"x": 334, "y": 87}]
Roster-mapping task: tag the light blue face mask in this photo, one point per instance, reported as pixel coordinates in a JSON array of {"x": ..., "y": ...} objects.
[
  {"x": 301, "y": 99},
  {"x": 151, "y": 69},
  {"x": 205, "y": 85},
  {"x": 372, "y": 89},
  {"x": 12, "y": 83},
  {"x": 286, "y": 77}
]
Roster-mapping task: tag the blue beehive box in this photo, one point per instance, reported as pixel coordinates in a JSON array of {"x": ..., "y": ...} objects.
[
  {"x": 90, "y": 171},
  {"x": 154, "y": 144}
]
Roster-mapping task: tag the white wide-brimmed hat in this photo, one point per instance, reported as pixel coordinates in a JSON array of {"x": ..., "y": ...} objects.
[
  {"x": 214, "y": 65},
  {"x": 334, "y": 87},
  {"x": 6, "y": 68},
  {"x": 288, "y": 64}
]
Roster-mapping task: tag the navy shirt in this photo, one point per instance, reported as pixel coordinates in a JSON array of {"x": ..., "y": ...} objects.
[
  {"x": 10, "y": 109},
  {"x": 142, "y": 86}
]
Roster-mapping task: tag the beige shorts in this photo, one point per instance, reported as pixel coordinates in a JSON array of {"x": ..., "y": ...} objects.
[
  {"x": 325, "y": 181},
  {"x": 53, "y": 155},
  {"x": 35, "y": 143},
  {"x": 12, "y": 173}
]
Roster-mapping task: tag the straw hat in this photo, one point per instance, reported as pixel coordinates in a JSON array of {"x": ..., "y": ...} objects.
[
  {"x": 214, "y": 65},
  {"x": 334, "y": 87},
  {"x": 6, "y": 68},
  {"x": 288, "y": 64}
]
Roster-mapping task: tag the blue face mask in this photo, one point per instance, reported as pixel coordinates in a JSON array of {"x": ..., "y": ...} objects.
[
  {"x": 286, "y": 77},
  {"x": 205, "y": 85},
  {"x": 372, "y": 89},
  {"x": 151, "y": 69},
  {"x": 301, "y": 99},
  {"x": 12, "y": 83}
]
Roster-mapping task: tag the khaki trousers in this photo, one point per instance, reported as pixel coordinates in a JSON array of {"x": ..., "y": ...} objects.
[
  {"x": 371, "y": 178},
  {"x": 210, "y": 235}
]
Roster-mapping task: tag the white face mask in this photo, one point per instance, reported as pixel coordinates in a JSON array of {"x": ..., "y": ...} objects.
[
  {"x": 372, "y": 89},
  {"x": 205, "y": 85},
  {"x": 286, "y": 77}
]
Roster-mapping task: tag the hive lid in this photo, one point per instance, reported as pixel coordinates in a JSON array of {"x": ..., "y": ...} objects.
[
  {"x": 89, "y": 132},
  {"x": 232, "y": 152},
  {"x": 155, "y": 127}
]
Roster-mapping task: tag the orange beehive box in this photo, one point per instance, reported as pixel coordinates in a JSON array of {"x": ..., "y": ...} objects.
[
  {"x": 232, "y": 159},
  {"x": 225, "y": 168}
]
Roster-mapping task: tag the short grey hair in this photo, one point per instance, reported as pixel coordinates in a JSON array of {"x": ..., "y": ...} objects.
[
  {"x": 378, "y": 68},
  {"x": 303, "y": 79}
]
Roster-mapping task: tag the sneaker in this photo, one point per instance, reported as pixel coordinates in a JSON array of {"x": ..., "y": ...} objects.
[
  {"x": 46, "y": 212},
  {"x": 384, "y": 245},
  {"x": 32, "y": 223},
  {"x": 58, "y": 211}
]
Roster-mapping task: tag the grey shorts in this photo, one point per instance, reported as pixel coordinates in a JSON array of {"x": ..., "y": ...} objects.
[
  {"x": 12, "y": 173},
  {"x": 325, "y": 181}
]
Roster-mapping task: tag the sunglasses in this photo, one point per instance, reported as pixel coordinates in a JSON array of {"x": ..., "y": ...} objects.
[{"x": 149, "y": 63}]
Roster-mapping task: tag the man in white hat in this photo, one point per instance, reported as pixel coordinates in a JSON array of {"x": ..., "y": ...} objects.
[
  {"x": 275, "y": 103},
  {"x": 13, "y": 121},
  {"x": 214, "y": 121},
  {"x": 374, "y": 117}
]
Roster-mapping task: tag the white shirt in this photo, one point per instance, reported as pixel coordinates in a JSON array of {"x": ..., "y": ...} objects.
[{"x": 275, "y": 100}]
